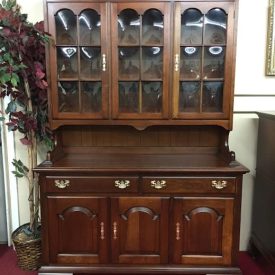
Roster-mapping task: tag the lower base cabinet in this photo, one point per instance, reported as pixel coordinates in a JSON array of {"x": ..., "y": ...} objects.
[
  {"x": 90, "y": 228},
  {"x": 203, "y": 231}
]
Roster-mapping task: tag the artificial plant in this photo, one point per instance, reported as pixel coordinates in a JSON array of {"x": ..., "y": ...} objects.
[{"x": 23, "y": 83}]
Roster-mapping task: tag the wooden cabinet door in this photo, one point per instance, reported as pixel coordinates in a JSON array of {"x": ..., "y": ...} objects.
[
  {"x": 78, "y": 60},
  {"x": 203, "y": 60},
  {"x": 77, "y": 228},
  {"x": 140, "y": 60},
  {"x": 139, "y": 230},
  {"x": 202, "y": 230}
]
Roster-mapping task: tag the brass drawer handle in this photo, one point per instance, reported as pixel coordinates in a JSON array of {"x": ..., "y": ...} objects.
[
  {"x": 62, "y": 183},
  {"x": 158, "y": 184},
  {"x": 122, "y": 184},
  {"x": 219, "y": 184}
]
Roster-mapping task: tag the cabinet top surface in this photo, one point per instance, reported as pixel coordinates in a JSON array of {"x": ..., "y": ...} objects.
[
  {"x": 269, "y": 114},
  {"x": 186, "y": 163}
]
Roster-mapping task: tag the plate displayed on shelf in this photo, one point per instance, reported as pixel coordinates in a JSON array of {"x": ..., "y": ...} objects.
[
  {"x": 215, "y": 50},
  {"x": 67, "y": 52},
  {"x": 190, "y": 51},
  {"x": 152, "y": 51}
]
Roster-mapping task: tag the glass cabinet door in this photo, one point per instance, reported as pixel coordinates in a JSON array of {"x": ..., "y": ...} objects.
[
  {"x": 202, "y": 82},
  {"x": 80, "y": 59},
  {"x": 139, "y": 60}
]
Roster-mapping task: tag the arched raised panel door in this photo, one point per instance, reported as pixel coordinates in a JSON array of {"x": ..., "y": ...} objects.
[
  {"x": 79, "y": 69},
  {"x": 203, "y": 65},
  {"x": 202, "y": 230},
  {"x": 139, "y": 230},
  {"x": 140, "y": 60},
  {"x": 77, "y": 230}
]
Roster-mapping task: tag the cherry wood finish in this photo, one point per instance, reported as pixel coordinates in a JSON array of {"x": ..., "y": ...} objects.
[
  {"x": 139, "y": 228},
  {"x": 88, "y": 244},
  {"x": 212, "y": 245},
  {"x": 141, "y": 179},
  {"x": 109, "y": 113}
]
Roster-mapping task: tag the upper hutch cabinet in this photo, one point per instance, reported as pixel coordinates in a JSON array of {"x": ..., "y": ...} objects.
[
  {"x": 126, "y": 61},
  {"x": 140, "y": 64},
  {"x": 202, "y": 60},
  {"x": 78, "y": 61}
]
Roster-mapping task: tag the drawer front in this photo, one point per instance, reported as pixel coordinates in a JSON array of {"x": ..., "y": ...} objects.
[
  {"x": 92, "y": 184},
  {"x": 188, "y": 185}
]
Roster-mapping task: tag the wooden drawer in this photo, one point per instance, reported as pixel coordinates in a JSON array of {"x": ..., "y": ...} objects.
[
  {"x": 92, "y": 184},
  {"x": 188, "y": 185}
]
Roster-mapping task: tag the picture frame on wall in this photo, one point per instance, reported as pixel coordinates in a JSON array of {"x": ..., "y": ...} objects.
[{"x": 270, "y": 50}]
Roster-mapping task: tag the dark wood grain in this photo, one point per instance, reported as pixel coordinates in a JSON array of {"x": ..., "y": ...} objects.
[{"x": 140, "y": 192}]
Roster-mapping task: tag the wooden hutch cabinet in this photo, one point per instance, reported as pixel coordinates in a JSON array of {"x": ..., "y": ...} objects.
[{"x": 141, "y": 179}]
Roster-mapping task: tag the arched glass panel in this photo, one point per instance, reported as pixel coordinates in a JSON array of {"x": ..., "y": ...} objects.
[
  {"x": 89, "y": 28},
  {"x": 128, "y": 27},
  {"x": 215, "y": 27},
  {"x": 191, "y": 27},
  {"x": 65, "y": 22},
  {"x": 152, "y": 27}
]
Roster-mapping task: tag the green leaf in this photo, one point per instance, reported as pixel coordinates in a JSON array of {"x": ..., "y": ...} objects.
[
  {"x": 26, "y": 169},
  {"x": 18, "y": 175},
  {"x": 5, "y": 78},
  {"x": 7, "y": 57},
  {"x": 21, "y": 170},
  {"x": 20, "y": 162},
  {"x": 2, "y": 118},
  {"x": 14, "y": 81},
  {"x": 20, "y": 167},
  {"x": 48, "y": 142}
]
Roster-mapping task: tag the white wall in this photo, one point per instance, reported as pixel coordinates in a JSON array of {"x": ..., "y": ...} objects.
[
  {"x": 253, "y": 92},
  {"x": 251, "y": 84}
]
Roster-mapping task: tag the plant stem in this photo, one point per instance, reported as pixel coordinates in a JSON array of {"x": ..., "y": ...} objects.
[{"x": 32, "y": 162}]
